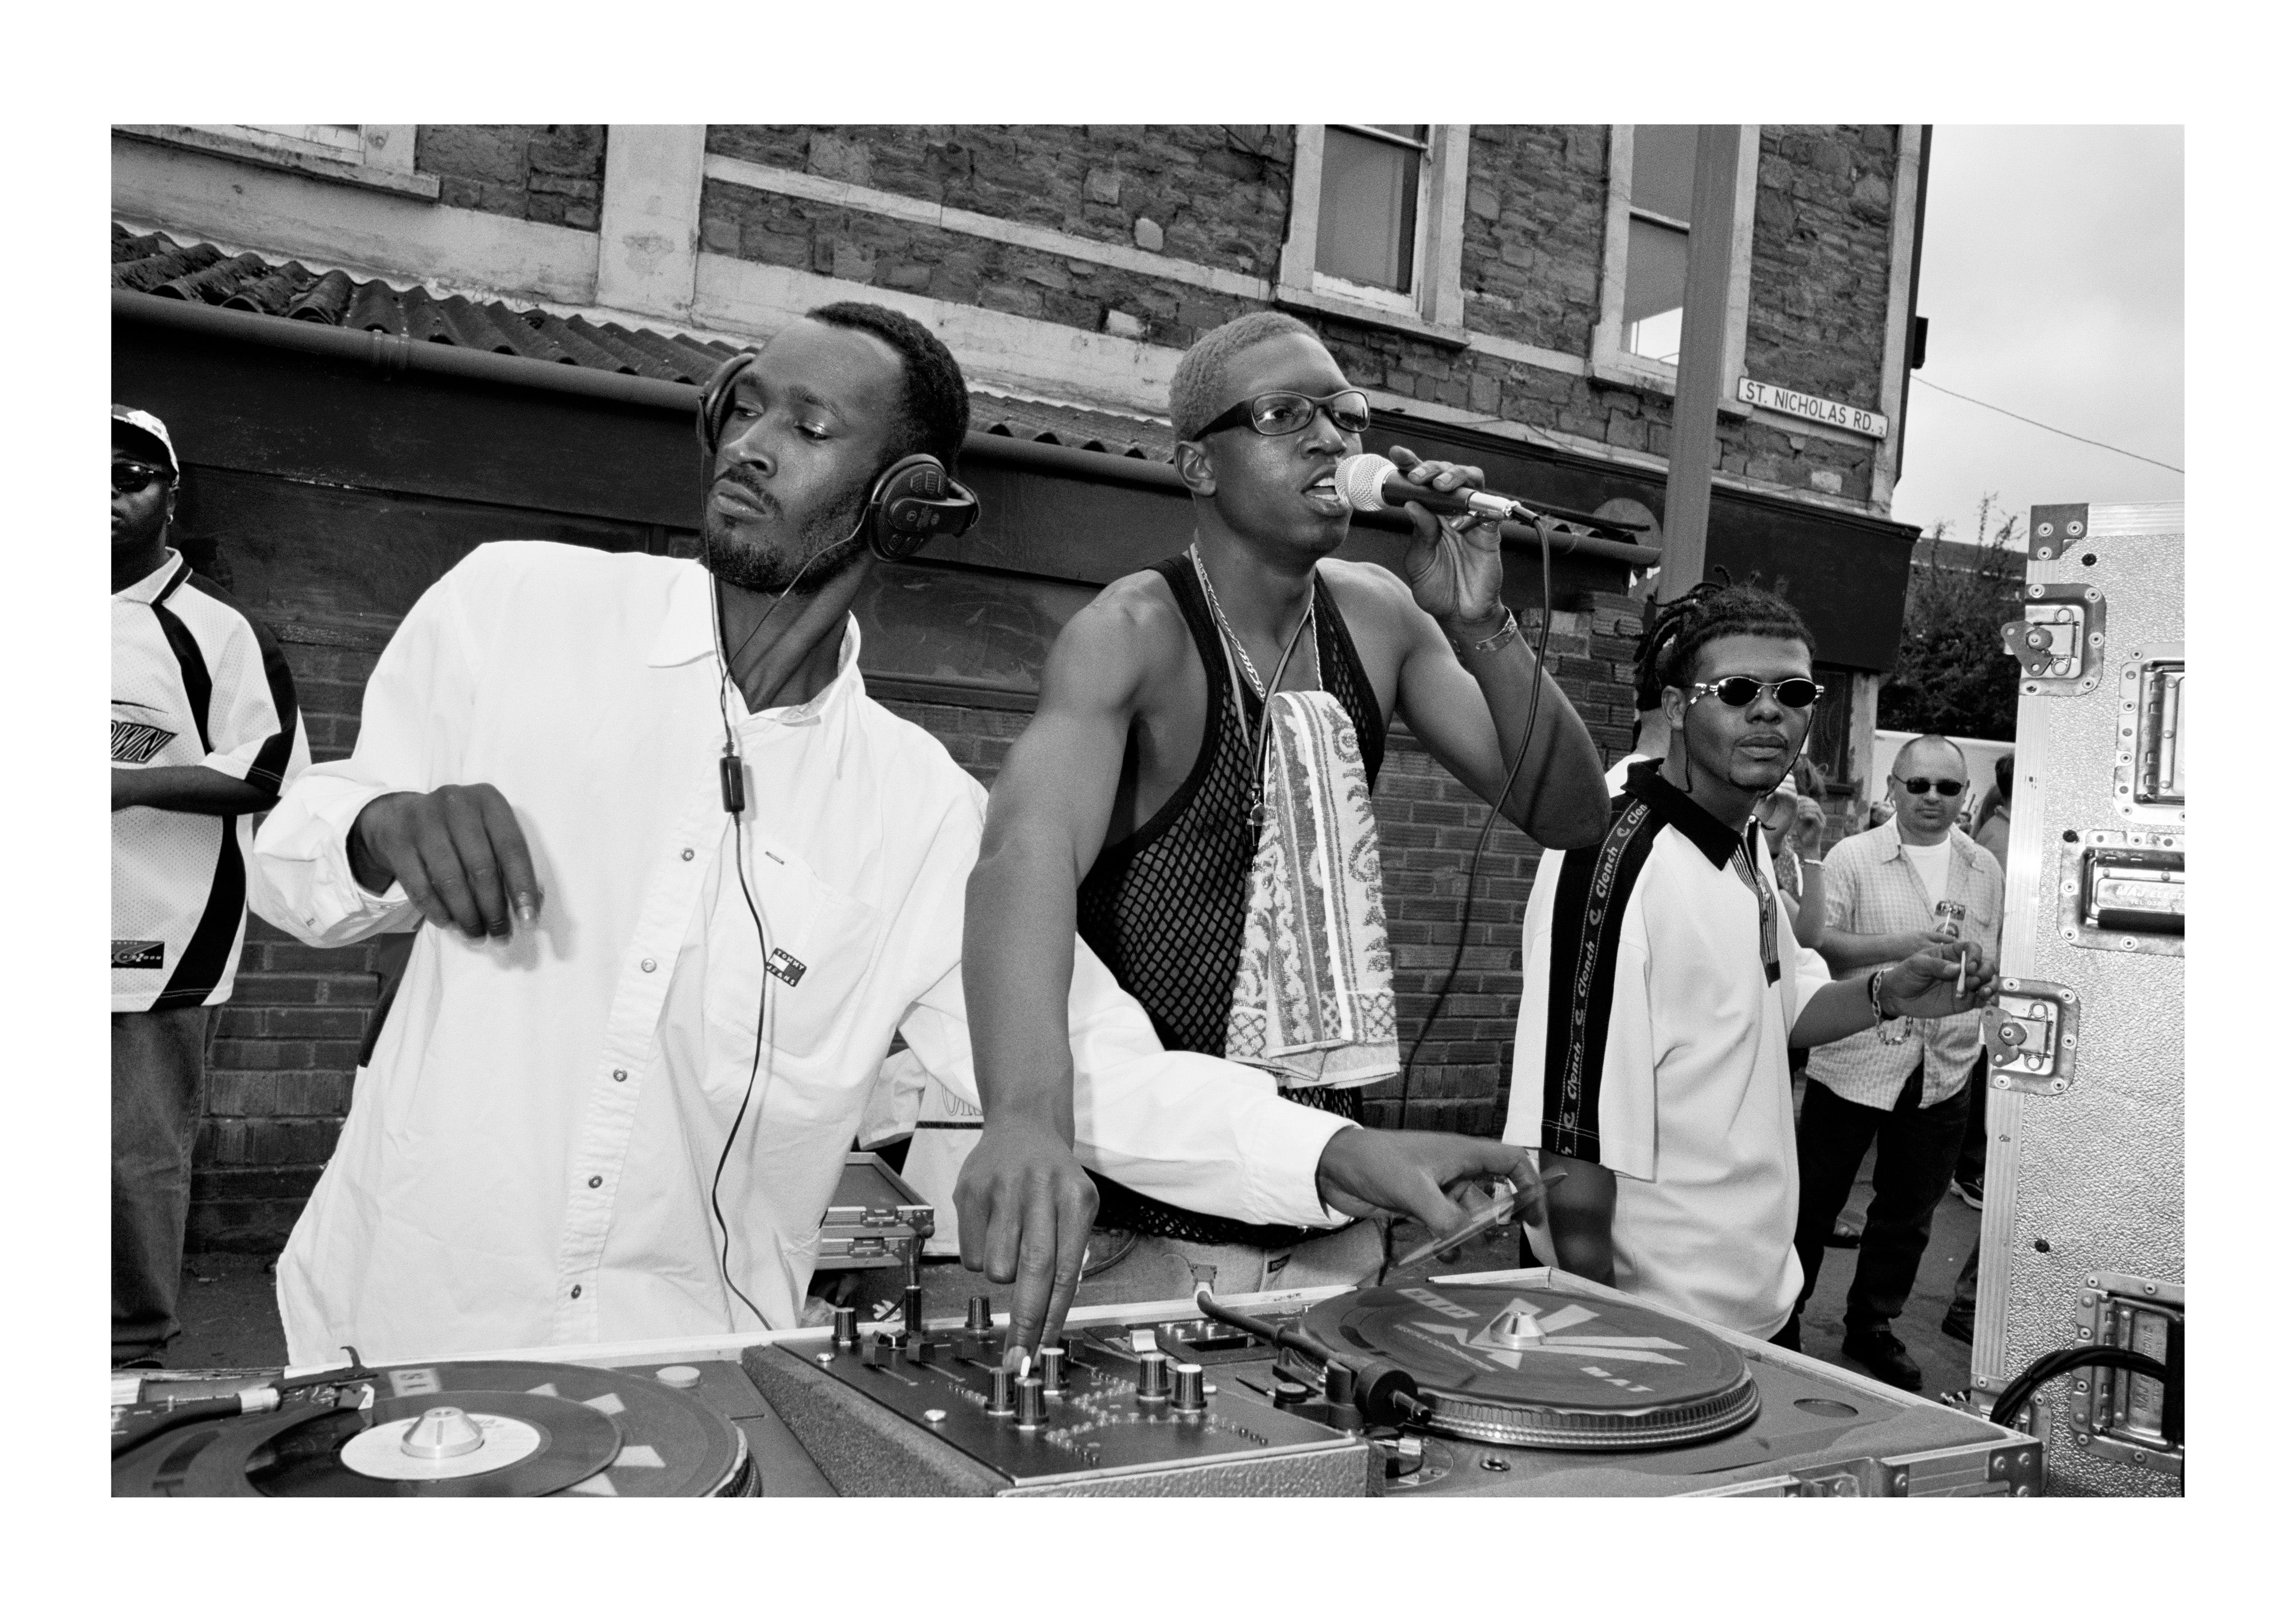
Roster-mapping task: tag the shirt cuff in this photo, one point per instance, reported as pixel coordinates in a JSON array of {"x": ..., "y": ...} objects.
[{"x": 1288, "y": 1141}]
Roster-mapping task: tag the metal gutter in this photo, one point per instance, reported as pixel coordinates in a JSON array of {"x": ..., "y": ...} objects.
[{"x": 389, "y": 353}]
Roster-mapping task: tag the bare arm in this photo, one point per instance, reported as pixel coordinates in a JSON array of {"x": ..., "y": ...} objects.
[
  {"x": 1025, "y": 1206},
  {"x": 197, "y": 789},
  {"x": 1579, "y": 1211},
  {"x": 1845, "y": 951},
  {"x": 1928, "y": 984}
]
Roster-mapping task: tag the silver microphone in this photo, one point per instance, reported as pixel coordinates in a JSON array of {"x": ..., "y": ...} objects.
[{"x": 1371, "y": 483}]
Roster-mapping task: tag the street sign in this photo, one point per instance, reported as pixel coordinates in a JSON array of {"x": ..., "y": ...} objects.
[{"x": 1769, "y": 397}]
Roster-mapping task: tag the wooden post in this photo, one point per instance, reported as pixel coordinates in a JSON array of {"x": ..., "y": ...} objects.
[{"x": 1697, "y": 379}]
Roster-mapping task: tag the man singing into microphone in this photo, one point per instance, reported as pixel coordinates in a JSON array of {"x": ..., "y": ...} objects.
[
  {"x": 616, "y": 1089},
  {"x": 1194, "y": 794}
]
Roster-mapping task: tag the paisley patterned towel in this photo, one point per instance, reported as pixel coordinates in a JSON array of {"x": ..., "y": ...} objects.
[{"x": 1315, "y": 992}]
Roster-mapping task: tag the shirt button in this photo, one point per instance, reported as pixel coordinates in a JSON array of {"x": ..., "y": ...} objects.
[
  {"x": 685, "y": 856},
  {"x": 578, "y": 1292},
  {"x": 621, "y": 1075},
  {"x": 595, "y": 1181},
  {"x": 646, "y": 963}
]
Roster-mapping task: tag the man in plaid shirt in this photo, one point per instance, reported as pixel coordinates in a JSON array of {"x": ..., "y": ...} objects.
[{"x": 1891, "y": 892}]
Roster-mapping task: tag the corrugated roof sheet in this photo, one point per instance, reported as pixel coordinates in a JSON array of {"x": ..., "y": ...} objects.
[{"x": 203, "y": 273}]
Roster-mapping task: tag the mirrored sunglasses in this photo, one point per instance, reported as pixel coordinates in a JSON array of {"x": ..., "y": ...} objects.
[
  {"x": 129, "y": 477},
  {"x": 1283, "y": 412},
  {"x": 1795, "y": 693}
]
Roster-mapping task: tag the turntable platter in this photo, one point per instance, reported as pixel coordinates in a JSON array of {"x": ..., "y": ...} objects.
[{"x": 1528, "y": 1367}]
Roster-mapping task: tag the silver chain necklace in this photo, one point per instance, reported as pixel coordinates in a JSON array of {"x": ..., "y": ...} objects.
[{"x": 1235, "y": 642}]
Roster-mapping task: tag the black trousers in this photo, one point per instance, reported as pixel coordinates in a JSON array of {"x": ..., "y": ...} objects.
[{"x": 1917, "y": 1150}]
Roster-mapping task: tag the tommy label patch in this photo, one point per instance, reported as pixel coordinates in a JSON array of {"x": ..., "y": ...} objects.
[
  {"x": 134, "y": 743},
  {"x": 138, "y": 954},
  {"x": 784, "y": 968}
]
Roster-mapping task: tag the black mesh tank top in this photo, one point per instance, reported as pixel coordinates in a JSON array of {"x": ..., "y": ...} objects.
[{"x": 1164, "y": 908}]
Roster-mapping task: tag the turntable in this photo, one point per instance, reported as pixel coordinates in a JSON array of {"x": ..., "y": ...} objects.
[
  {"x": 1516, "y": 1384},
  {"x": 475, "y": 1429}
]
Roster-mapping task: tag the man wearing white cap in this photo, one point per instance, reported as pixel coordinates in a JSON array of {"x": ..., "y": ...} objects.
[{"x": 204, "y": 733}]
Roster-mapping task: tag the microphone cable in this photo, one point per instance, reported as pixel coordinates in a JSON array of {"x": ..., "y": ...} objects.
[{"x": 1474, "y": 863}]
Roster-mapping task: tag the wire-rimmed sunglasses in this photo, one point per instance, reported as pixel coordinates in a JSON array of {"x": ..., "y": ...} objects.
[
  {"x": 1918, "y": 786},
  {"x": 129, "y": 477},
  {"x": 1795, "y": 693},
  {"x": 1282, "y": 410}
]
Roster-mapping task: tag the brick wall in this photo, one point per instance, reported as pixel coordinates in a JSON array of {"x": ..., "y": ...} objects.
[
  {"x": 857, "y": 246},
  {"x": 281, "y": 1053},
  {"x": 283, "y": 1049},
  {"x": 548, "y": 173},
  {"x": 1530, "y": 265},
  {"x": 1217, "y": 194}
]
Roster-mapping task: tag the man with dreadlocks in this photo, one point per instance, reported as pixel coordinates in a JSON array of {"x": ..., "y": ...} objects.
[{"x": 1662, "y": 988}]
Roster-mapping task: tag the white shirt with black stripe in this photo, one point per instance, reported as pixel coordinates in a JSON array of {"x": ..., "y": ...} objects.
[
  {"x": 194, "y": 682},
  {"x": 1660, "y": 980}
]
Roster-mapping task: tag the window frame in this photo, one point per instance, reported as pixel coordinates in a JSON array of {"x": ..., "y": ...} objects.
[
  {"x": 1435, "y": 305},
  {"x": 1611, "y": 360},
  {"x": 384, "y": 161}
]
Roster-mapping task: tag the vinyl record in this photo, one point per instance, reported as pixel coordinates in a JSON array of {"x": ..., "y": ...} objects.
[
  {"x": 1540, "y": 1368},
  {"x": 302, "y": 1457}
]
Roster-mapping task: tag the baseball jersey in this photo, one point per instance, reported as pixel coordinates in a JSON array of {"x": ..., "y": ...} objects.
[{"x": 194, "y": 682}]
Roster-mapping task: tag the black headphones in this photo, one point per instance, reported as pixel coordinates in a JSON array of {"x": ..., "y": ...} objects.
[{"x": 912, "y": 502}]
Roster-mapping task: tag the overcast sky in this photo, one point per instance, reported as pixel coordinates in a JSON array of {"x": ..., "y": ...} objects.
[{"x": 2053, "y": 275}]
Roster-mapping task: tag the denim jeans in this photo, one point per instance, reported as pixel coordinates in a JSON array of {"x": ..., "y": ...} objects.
[
  {"x": 1917, "y": 1150},
  {"x": 159, "y": 1061}
]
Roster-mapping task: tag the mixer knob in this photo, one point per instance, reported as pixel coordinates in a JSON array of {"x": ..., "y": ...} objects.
[
  {"x": 976, "y": 1316},
  {"x": 1053, "y": 1362},
  {"x": 1031, "y": 1404},
  {"x": 845, "y": 1332},
  {"x": 1000, "y": 1390},
  {"x": 1155, "y": 1377},
  {"x": 1187, "y": 1388}
]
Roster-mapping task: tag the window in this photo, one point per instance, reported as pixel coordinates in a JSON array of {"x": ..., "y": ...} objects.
[
  {"x": 1378, "y": 213},
  {"x": 1658, "y": 238},
  {"x": 1646, "y": 255},
  {"x": 1367, "y": 226}
]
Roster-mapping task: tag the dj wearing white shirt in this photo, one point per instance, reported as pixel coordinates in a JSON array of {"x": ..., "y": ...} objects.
[{"x": 686, "y": 881}]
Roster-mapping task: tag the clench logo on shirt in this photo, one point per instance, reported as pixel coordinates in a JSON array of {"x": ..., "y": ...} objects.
[
  {"x": 138, "y": 954},
  {"x": 134, "y": 743},
  {"x": 784, "y": 968}
]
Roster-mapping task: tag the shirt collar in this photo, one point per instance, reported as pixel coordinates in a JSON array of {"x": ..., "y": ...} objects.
[
  {"x": 1714, "y": 839},
  {"x": 159, "y": 583}
]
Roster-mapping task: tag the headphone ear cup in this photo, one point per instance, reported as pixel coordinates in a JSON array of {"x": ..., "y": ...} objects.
[{"x": 915, "y": 501}]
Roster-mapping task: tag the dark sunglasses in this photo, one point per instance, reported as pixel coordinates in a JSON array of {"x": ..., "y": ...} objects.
[
  {"x": 129, "y": 477},
  {"x": 1946, "y": 786},
  {"x": 1795, "y": 693},
  {"x": 1285, "y": 412}
]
